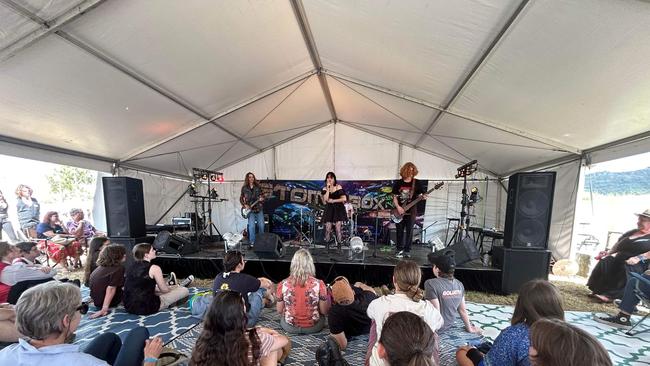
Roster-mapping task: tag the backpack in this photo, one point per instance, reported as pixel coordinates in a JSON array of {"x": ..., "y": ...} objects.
[
  {"x": 200, "y": 302},
  {"x": 329, "y": 354}
]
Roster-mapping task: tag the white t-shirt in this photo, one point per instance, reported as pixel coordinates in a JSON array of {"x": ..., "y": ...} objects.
[{"x": 383, "y": 307}]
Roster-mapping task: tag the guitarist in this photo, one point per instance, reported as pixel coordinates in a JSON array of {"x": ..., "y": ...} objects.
[
  {"x": 404, "y": 191},
  {"x": 251, "y": 192}
]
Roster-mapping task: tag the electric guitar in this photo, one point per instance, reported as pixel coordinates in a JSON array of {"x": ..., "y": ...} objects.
[
  {"x": 246, "y": 211},
  {"x": 395, "y": 215}
]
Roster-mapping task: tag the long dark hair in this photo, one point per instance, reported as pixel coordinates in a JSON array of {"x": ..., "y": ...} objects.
[
  {"x": 256, "y": 183},
  {"x": 408, "y": 340},
  {"x": 224, "y": 340},
  {"x": 331, "y": 174},
  {"x": 538, "y": 299},
  {"x": 94, "y": 247}
]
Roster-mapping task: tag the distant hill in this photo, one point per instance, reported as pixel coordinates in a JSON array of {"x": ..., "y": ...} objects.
[{"x": 619, "y": 183}]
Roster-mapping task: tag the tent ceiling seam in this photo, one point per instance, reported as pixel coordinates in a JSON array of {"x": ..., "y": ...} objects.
[
  {"x": 46, "y": 27},
  {"x": 317, "y": 127},
  {"x": 467, "y": 79},
  {"x": 276, "y": 107},
  {"x": 392, "y": 139},
  {"x": 224, "y": 113},
  {"x": 288, "y": 129},
  {"x": 507, "y": 129},
  {"x": 307, "y": 35},
  {"x": 382, "y": 107},
  {"x": 221, "y": 156},
  {"x": 143, "y": 80},
  {"x": 180, "y": 151}
]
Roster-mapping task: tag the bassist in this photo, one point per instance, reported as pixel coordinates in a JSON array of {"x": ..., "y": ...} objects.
[
  {"x": 406, "y": 190},
  {"x": 251, "y": 192}
]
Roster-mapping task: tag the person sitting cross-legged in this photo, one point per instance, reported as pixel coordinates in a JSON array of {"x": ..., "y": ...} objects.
[
  {"x": 16, "y": 278},
  {"x": 48, "y": 314},
  {"x": 145, "y": 290},
  {"x": 107, "y": 280},
  {"x": 347, "y": 317},
  {"x": 254, "y": 290}
]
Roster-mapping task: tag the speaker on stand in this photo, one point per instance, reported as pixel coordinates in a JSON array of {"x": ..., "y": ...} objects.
[{"x": 124, "y": 205}]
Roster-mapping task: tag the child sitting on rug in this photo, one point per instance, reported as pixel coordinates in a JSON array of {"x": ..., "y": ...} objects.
[
  {"x": 538, "y": 299},
  {"x": 226, "y": 341},
  {"x": 446, "y": 293},
  {"x": 555, "y": 342},
  {"x": 107, "y": 280},
  {"x": 145, "y": 290},
  {"x": 408, "y": 297}
]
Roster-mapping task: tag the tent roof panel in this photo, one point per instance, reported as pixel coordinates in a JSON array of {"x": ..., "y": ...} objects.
[
  {"x": 213, "y": 54},
  {"x": 48, "y": 9},
  {"x": 573, "y": 71},
  {"x": 58, "y": 95},
  {"x": 13, "y": 26},
  {"x": 419, "y": 47}
]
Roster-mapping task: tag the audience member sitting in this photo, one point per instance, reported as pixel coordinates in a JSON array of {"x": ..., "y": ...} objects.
[
  {"x": 48, "y": 314},
  {"x": 407, "y": 340},
  {"x": 8, "y": 331},
  {"x": 446, "y": 293},
  {"x": 608, "y": 278},
  {"x": 253, "y": 289},
  {"x": 145, "y": 289},
  {"x": 554, "y": 342},
  {"x": 538, "y": 299},
  {"x": 16, "y": 278},
  {"x": 28, "y": 209},
  {"x": 95, "y": 246},
  {"x": 302, "y": 298},
  {"x": 27, "y": 254},
  {"x": 226, "y": 341},
  {"x": 628, "y": 304},
  {"x": 80, "y": 228},
  {"x": 408, "y": 297},
  {"x": 347, "y": 316},
  {"x": 5, "y": 224},
  {"x": 61, "y": 245},
  {"x": 107, "y": 280}
]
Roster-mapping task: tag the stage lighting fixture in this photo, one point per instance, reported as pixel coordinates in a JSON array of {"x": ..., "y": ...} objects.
[
  {"x": 356, "y": 244},
  {"x": 192, "y": 190},
  {"x": 213, "y": 177},
  {"x": 220, "y": 178},
  {"x": 232, "y": 241},
  {"x": 204, "y": 176},
  {"x": 474, "y": 196},
  {"x": 213, "y": 194}
]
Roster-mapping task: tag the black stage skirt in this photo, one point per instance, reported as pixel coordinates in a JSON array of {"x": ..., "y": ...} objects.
[{"x": 335, "y": 212}]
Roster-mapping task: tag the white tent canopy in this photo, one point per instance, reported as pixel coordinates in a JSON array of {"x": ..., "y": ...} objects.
[{"x": 291, "y": 89}]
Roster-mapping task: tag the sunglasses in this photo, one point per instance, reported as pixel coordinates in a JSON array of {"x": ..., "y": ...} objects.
[{"x": 83, "y": 308}]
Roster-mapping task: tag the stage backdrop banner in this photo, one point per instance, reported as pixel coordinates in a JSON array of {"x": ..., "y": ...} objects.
[{"x": 297, "y": 206}]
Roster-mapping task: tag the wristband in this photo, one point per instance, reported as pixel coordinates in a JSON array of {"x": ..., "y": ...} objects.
[{"x": 150, "y": 359}]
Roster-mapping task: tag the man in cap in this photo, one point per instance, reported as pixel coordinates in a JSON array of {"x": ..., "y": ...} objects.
[{"x": 347, "y": 316}]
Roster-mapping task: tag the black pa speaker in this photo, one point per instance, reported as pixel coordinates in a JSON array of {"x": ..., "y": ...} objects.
[
  {"x": 519, "y": 266},
  {"x": 528, "y": 210},
  {"x": 464, "y": 251},
  {"x": 169, "y": 243},
  {"x": 268, "y": 246},
  {"x": 129, "y": 243},
  {"x": 124, "y": 204}
]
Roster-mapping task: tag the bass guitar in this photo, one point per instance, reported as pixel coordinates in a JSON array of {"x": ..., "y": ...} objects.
[
  {"x": 395, "y": 215},
  {"x": 246, "y": 211}
]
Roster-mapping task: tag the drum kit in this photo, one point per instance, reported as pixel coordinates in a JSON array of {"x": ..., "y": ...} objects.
[{"x": 310, "y": 228}]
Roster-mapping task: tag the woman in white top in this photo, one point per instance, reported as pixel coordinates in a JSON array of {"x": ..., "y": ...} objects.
[{"x": 408, "y": 297}]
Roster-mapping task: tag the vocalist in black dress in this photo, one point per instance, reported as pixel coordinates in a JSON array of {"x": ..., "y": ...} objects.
[{"x": 334, "y": 197}]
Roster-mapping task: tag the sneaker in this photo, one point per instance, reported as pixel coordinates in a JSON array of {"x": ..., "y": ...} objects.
[
  {"x": 186, "y": 282},
  {"x": 618, "y": 321},
  {"x": 172, "y": 279},
  {"x": 400, "y": 254}
]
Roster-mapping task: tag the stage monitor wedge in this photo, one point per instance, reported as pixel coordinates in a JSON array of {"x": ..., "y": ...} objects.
[
  {"x": 268, "y": 246},
  {"x": 124, "y": 204},
  {"x": 528, "y": 210}
]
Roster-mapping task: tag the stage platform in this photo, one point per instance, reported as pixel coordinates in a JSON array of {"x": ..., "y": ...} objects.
[{"x": 374, "y": 270}]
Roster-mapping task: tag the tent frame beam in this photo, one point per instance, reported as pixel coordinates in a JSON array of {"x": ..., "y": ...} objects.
[
  {"x": 544, "y": 140},
  {"x": 476, "y": 67},
  {"x": 146, "y": 82},
  {"x": 46, "y": 27},
  {"x": 226, "y": 112},
  {"x": 305, "y": 29},
  {"x": 55, "y": 149}
]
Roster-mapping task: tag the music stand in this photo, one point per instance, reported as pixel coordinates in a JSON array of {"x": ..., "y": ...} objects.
[{"x": 463, "y": 171}]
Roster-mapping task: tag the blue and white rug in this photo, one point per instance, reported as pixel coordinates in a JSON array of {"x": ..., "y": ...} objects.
[
  {"x": 623, "y": 349},
  {"x": 167, "y": 324}
]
